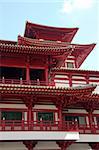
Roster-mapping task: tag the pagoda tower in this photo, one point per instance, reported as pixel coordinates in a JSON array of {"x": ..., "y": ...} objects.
[{"x": 46, "y": 101}]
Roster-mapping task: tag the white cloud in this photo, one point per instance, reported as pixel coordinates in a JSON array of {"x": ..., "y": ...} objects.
[{"x": 74, "y": 5}]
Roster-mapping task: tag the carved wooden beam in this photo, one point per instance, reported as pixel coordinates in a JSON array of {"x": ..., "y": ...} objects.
[
  {"x": 64, "y": 144},
  {"x": 94, "y": 146},
  {"x": 30, "y": 144}
]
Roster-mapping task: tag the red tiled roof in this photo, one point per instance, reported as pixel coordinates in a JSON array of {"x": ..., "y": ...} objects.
[
  {"x": 28, "y": 89},
  {"x": 49, "y": 33},
  {"x": 74, "y": 70},
  {"x": 33, "y": 49}
]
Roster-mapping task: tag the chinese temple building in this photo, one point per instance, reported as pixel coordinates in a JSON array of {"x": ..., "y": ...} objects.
[{"x": 46, "y": 101}]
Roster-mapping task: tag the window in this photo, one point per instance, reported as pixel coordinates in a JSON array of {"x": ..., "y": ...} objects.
[
  {"x": 80, "y": 119},
  {"x": 45, "y": 116},
  {"x": 70, "y": 65},
  {"x": 37, "y": 74},
  {"x": 71, "y": 118},
  {"x": 97, "y": 119},
  {"x": 10, "y": 115}
]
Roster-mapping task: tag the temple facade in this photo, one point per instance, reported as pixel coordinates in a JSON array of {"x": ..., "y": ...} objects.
[{"x": 46, "y": 101}]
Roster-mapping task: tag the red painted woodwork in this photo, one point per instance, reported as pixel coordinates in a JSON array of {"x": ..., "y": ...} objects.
[
  {"x": 21, "y": 125},
  {"x": 36, "y": 31},
  {"x": 58, "y": 125},
  {"x": 27, "y": 72},
  {"x": 94, "y": 146},
  {"x": 60, "y": 115},
  {"x": 48, "y": 49},
  {"x": 64, "y": 144},
  {"x": 25, "y": 82},
  {"x": 30, "y": 144}
]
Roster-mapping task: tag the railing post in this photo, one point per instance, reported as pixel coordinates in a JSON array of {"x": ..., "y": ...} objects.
[
  {"x": 38, "y": 82},
  {"x": 3, "y": 124},
  {"x": 76, "y": 124},
  {"x": 3, "y": 80},
  {"x": 21, "y": 82},
  {"x": 41, "y": 124},
  {"x": 22, "y": 123},
  {"x": 12, "y": 126},
  {"x": 12, "y": 82}
]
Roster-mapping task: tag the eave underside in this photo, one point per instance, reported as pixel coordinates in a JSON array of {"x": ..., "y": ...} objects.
[
  {"x": 49, "y": 33},
  {"x": 32, "y": 46},
  {"x": 57, "y": 96}
]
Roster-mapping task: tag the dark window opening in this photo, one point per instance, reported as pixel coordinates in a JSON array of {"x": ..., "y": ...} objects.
[
  {"x": 37, "y": 74},
  {"x": 45, "y": 116},
  {"x": 70, "y": 65},
  {"x": 10, "y": 115},
  {"x": 79, "y": 119},
  {"x": 97, "y": 119},
  {"x": 12, "y": 73}
]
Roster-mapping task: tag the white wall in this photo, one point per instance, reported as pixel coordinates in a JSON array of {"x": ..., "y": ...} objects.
[
  {"x": 45, "y": 107},
  {"x": 50, "y": 145},
  {"x": 46, "y": 145},
  {"x": 75, "y": 111},
  {"x": 96, "y": 112},
  {"x": 12, "y": 146},
  {"x": 39, "y": 135},
  {"x": 78, "y": 146},
  {"x": 19, "y": 106}
]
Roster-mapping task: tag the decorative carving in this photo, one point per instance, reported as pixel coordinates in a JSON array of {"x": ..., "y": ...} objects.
[
  {"x": 89, "y": 106},
  {"x": 64, "y": 144},
  {"x": 94, "y": 146},
  {"x": 29, "y": 101},
  {"x": 30, "y": 144}
]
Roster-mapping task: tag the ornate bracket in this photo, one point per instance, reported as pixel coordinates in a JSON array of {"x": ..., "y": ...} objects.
[
  {"x": 94, "y": 146},
  {"x": 30, "y": 144},
  {"x": 64, "y": 144}
]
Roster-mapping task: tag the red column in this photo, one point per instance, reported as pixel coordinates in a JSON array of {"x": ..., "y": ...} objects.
[
  {"x": 27, "y": 72},
  {"x": 30, "y": 117},
  {"x": 60, "y": 116},
  {"x": 46, "y": 75},
  {"x": 91, "y": 121},
  {"x": 90, "y": 108}
]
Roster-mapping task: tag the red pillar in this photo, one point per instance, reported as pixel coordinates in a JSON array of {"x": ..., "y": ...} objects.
[
  {"x": 30, "y": 117},
  {"x": 46, "y": 75},
  {"x": 27, "y": 72},
  {"x": 60, "y": 116},
  {"x": 91, "y": 121},
  {"x": 90, "y": 108}
]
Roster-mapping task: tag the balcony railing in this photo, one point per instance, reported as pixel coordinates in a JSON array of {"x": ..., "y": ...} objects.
[
  {"x": 86, "y": 129},
  {"x": 21, "y": 125},
  {"x": 25, "y": 82},
  {"x": 15, "y": 125}
]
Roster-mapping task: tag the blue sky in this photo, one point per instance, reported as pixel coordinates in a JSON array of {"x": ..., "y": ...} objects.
[{"x": 63, "y": 13}]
